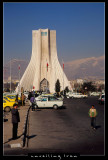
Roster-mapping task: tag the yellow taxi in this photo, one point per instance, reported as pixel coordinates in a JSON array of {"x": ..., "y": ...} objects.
[
  {"x": 7, "y": 105},
  {"x": 9, "y": 99},
  {"x": 13, "y": 97}
]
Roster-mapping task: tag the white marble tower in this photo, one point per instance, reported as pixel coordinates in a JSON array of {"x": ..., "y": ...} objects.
[{"x": 44, "y": 68}]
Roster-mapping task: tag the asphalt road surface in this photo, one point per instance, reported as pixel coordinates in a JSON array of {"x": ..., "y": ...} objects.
[{"x": 67, "y": 130}]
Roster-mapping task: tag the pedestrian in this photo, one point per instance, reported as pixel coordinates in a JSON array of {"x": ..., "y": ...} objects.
[
  {"x": 29, "y": 96},
  {"x": 33, "y": 92},
  {"x": 17, "y": 98},
  {"x": 32, "y": 100},
  {"x": 15, "y": 120},
  {"x": 23, "y": 99},
  {"x": 93, "y": 114}
]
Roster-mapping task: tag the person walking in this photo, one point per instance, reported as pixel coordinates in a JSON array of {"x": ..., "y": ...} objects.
[
  {"x": 29, "y": 96},
  {"x": 23, "y": 99},
  {"x": 15, "y": 120},
  {"x": 93, "y": 114},
  {"x": 17, "y": 98},
  {"x": 32, "y": 100}
]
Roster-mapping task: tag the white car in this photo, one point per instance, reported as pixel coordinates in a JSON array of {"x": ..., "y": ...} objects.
[
  {"x": 76, "y": 95},
  {"x": 39, "y": 98},
  {"x": 45, "y": 95},
  {"x": 102, "y": 99},
  {"x": 49, "y": 102},
  {"x": 26, "y": 94},
  {"x": 95, "y": 93}
]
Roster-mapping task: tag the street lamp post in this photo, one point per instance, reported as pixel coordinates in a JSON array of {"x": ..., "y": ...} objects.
[
  {"x": 19, "y": 79},
  {"x": 63, "y": 76},
  {"x": 10, "y": 75},
  {"x": 46, "y": 75}
]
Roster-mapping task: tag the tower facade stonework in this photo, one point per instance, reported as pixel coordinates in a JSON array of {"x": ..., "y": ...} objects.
[{"x": 44, "y": 68}]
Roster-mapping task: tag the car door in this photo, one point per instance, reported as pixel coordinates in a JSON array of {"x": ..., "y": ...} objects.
[
  {"x": 50, "y": 102},
  {"x": 42, "y": 102},
  {"x": 53, "y": 101}
]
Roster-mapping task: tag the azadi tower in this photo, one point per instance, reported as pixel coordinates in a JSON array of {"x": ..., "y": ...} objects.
[{"x": 44, "y": 68}]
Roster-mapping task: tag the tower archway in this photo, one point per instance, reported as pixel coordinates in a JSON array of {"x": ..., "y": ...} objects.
[{"x": 44, "y": 85}]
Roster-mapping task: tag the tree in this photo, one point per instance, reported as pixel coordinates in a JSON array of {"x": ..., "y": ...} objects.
[
  {"x": 101, "y": 87},
  {"x": 88, "y": 86},
  {"x": 57, "y": 86},
  {"x": 67, "y": 89}
]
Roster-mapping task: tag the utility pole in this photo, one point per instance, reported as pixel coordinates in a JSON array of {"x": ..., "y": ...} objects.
[
  {"x": 46, "y": 75},
  {"x": 10, "y": 75},
  {"x": 19, "y": 79},
  {"x": 55, "y": 72},
  {"x": 63, "y": 76}
]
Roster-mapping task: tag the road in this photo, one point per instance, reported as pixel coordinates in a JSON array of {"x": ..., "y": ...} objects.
[{"x": 67, "y": 130}]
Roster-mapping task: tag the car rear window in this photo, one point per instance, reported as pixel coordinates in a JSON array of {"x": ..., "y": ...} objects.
[
  {"x": 44, "y": 99},
  {"x": 52, "y": 98}
]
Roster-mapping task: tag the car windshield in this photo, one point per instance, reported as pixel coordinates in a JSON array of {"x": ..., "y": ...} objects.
[
  {"x": 12, "y": 97},
  {"x": 5, "y": 98}
]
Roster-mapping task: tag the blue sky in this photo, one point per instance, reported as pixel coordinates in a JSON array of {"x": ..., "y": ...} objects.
[{"x": 79, "y": 28}]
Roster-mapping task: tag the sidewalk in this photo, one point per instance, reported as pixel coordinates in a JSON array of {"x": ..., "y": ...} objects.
[{"x": 7, "y": 128}]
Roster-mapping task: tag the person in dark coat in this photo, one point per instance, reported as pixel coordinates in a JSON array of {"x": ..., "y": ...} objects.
[
  {"x": 15, "y": 120},
  {"x": 17, "y": 98}
]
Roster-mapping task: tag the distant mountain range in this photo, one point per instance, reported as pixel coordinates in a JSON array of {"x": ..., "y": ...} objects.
[
  {"x": 86, "y": 68},
  {"x": 14, "y": 69}
]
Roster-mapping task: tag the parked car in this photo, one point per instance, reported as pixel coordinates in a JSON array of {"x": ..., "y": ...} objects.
[
  {"x": 95, "y": 93},
  {"x": 26, "y": 94},
  {"x": 48, "y": 95},
  {"x": 12, "y": 96},
  {"x": 43, "y": 95},
  {"x": 76, "y": 95},
  {"x": 9, "y": 99},
  {"x": 7, "y": 105},
  {"x": 49, "y": 102},
  {"x": 102, "y": 99}
]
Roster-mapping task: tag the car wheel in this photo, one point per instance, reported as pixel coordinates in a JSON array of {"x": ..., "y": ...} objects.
[
  {"x": 55, "y": 106},
  {"x": 72, "y": 97},
  {"x": 7, "y": 109}
]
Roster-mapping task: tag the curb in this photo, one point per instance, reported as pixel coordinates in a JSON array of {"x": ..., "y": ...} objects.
[{"x": 25, "y": 129}]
